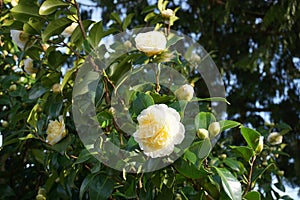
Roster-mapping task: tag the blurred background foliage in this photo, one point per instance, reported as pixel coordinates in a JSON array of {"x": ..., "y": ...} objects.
[{"x": 255, "y": 45}]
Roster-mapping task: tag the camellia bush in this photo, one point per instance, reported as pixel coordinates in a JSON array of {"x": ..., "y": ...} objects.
[{"x": 111, "y": 111}]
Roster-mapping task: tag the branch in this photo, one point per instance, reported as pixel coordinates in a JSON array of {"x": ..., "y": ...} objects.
[{"x": 79, "y": 19}]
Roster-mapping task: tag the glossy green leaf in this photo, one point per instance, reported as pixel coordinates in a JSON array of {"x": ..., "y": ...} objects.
[
  {"x": 37, "y": 91},
  {"x": 24, "y": 11},
  {"x": 141, "y": 102},
  {"x": 201, "y": 150},
  {"x": 204, "y": 119},
  {"x": 221, "y": 99},
  {"x": 230, "y": 184},
  {"x": 77, "y": 35},
  {"x": 228, "y": 124},
  {"x": 50, "y": 6},
  {"x": 55, "y": 27},
  {"x": 244, "y": 152},
  {"x": 253, "y": 195},
  {"x": 251, "y": 136}
]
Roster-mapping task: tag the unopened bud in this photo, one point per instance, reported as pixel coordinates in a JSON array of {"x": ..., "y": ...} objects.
[
  {"x": 167, "y": 13},
  {"x": 40, "y": 197},
  {"x": 214, "y": 129},
  {"x": 5, "y": 123},
  {"x": 127, "y": 44},
  {"x": 280, "y": 172},
  {"x": 56, "y": 88},
  {"x": 13, "y": 87},
  {"x": 202, "y": 133},
  {"x": 260, "y": 145},
  {"x": 222, "y": 156},
  {"x": 185, "y": 92}
]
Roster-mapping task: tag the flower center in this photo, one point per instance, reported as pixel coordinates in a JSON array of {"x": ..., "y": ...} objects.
[{"x": 158, "y": 140}]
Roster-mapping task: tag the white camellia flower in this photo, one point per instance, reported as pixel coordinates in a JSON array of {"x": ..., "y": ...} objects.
[
  {"x": 185, "y": 92},
  {"x": 159, "y": 130},
  {"x": 151, "y": 43},
  {"x": 275, "y": 138},
  {"x": 167, "y": 13},
  {"x": 69, "y": 30},
  {"x": 56, "y": 131},
  {"x": 20, "y": 38},
  {"x": 28, "y": 66}
]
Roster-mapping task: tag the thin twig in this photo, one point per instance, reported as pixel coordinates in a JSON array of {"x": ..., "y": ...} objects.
[
  {"x": 248, "y": 187},
  {"x": 79, "y": 19}
]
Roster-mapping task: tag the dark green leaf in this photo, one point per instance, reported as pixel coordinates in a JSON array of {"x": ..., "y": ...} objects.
[
  {"x": 55, "y": 27},
  {"x": 230, "y": 184},
  {"x": 189, "y": 170},
  {"x": 127, "y": 21},
  {"x": 101, "y": 187}
]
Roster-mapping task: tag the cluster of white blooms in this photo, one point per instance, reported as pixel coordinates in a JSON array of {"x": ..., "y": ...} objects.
[{"x": 159, "y": 130}]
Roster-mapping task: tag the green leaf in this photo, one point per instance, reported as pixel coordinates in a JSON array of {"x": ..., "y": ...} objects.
[
  {"x": 221, "y": 99},
  {"x": 234, "y": 165},
  {"x": 173, "y": 39},
  {"x": 204, "y": 119},
  {"x": 251, "y": 136},
  {"x": 77, "y": 36},
  {"x": 50, "y": 6},
  {"x": 230, "y": 184},
  {"x": 114, "y": 16},
  {"x": 24, "y": 11},
  {"x": 33, "y": 26},
  {"x": 83, "y": 156},
  {"x": 253, "y": 195},
  {"x": 85, "y": 184},
  {"x": 244, "y": 152},
  {"x": 101, "y": 187},
  {"x": 29, "y": 136},
  {"x": 141, "y": 102},
  {"x": 189, "y": 170},
  {"x": 32, "y": 118},
  {"x": 67, "y": 76},
  {"x": 127, "y": 21},
  {"x": 228, "y": 124},
  {"x": 201, "y": 149},
  {"x": 55, "y": 27},
  {"x": 258, "y": 172},
  {"x": 37, "y": 91},
  {"x": 96, "y": 33}
]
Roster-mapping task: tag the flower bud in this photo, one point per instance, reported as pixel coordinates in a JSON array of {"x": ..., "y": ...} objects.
[
  {"x": 13, "y": 87},
  {"x": 185, "y": 92},
  {"x": 280, "y": 172},
  {"x": 5, "y": 123},
  {"x": 214, "y": 129},
  {"x": 275, "y": 138},
  {"x": 202, "y": 133},
  {"x": 167, "y": 13},
  {"x": 56, "y": 88},
  {"x": 40, "y": 197},
  {"x": 127, "y": 44},
  {"x": 222, "y": 156},
  {"x": 260, "y": 145}
]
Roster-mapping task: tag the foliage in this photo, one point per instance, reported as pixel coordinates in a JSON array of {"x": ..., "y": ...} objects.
[{"x": 32, "y": 168}]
